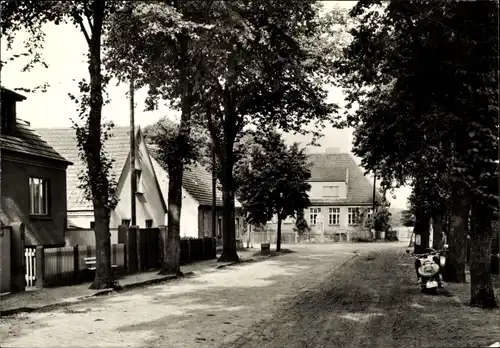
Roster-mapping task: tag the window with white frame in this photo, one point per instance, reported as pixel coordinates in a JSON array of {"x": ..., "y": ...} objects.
[
  {"x": 353, "y": 216},
  {"x": 39, "y": 200},
  {"x": 313, "y": 215},
  {"x": 334, "y": 216},
  {"x": 330, "y": 191}
]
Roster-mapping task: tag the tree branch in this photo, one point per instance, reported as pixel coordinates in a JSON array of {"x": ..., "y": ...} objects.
[
  {"x": 88, "y": 14},
  {"x": 79, "y": 20},
  {"x": 213, "y": 133}
]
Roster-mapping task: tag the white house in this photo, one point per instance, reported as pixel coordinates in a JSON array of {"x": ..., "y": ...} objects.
[
  {"x": 150, "y": 205},
  {"x": 339, "y": 190},
  {"x": 196, "y": 212}
]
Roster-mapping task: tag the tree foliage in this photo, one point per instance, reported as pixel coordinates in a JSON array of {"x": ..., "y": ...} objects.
[
  {"x": 90, "y": 17},
  {"x": 424, "y": 77},
  {"x": 164, "y": 133},
  {"x": 274, "y": 182},
  {"x": 261, "y": 69},
  {"x": 407, "y": 218}
]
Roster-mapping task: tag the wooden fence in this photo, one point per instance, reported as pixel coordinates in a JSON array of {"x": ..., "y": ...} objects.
[
  {"x": 137, "y": 250},
  {"x": 65, "y": 266},
  {"x": 197, "y": 249}
]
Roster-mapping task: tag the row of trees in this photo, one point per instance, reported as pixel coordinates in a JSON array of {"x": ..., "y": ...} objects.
[
  {"x": 225, "y": 65},
  {"x": 424, "y": 79}
]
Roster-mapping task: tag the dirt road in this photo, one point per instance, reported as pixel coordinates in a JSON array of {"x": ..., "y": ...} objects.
[{"x": 361, "y": 295}]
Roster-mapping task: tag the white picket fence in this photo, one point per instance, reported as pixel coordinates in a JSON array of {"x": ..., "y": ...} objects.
[{"x": 30, "y": 256}]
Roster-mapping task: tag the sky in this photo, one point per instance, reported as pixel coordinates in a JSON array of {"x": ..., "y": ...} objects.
[{"x": 65, "y": 53}]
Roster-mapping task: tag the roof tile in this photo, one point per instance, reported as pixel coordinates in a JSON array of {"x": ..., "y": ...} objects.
[
  {"x": 25, "y": 140},
  {"x": 196, "y": 180},
  {"x": 64, "y": 141},
  {"x": 333, "y": 167}
]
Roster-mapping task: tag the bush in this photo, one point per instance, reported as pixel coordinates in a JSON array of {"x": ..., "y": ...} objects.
[
  {"x": 301, "y": 225},
  {"x": 362, "y": 240},
  {"x": 381, "y": 220}
]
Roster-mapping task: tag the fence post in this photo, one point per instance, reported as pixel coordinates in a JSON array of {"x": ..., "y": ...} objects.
[
  {"x": 123, "y": 239},
  {"x": 189, "y": 250},
  {"x": 76, "y": 263},
  {"x": 40, "y": 266},
  {"x": 204, "y": 257},
  {"x": 214, "y": 248},
  {"x": 18, "y": 260},
  {"x": 140, "y": 256}
]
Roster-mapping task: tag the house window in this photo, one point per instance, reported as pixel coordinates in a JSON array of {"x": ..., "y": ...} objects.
[
  {"x": 39, "y": 202},
  {"x": 126, "y": 222},
  {"x": 138, "y": 180},
  {"x": 330, "y": 191},
  {"x": 313, "y": 215},
  {"x": 334, "y": 216},
  {"x": 353, "y": 216},
  {"x": 92, "y": 224},
  {"x": 149, "y": 223}
]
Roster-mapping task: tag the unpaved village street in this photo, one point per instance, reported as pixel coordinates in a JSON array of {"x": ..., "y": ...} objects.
[{"x": 335, "y": 295}]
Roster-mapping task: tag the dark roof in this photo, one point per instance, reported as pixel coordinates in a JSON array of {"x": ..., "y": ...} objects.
[
  {"x": 325, "y": 172},
  {"x": 64, "y": 141},
  {"x": 11, "y": 94},
  {"x": 24, "y": 140},
  {"x": 196, "y": 180},
  {"x": 332, "y": 167}
]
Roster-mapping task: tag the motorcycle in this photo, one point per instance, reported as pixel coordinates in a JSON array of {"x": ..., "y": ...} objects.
[{"x": 429, "y": 266}]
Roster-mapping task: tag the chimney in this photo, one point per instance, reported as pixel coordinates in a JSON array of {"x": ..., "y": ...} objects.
[
  {"x": 330, "y": 150},
  {"x": 8, "y": 100}
]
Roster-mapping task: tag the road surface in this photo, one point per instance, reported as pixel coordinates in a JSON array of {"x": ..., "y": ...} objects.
[{"x": 340, "y": 295}]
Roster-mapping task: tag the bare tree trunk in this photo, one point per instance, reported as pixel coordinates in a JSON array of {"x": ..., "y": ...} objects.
[
  {"x": 481, "y": 289},
  {"x": 421, "y": 229},
  {"x": 457, "y": 239},
  {"x": 103, "y": 275},
  {"x": 278, "y": 234},
  {"x": 437, "y": 228},
  {"x": 171, "y": 246},
  {"x": 98, "y": 181},
  {"x": 229, "y": 253}
]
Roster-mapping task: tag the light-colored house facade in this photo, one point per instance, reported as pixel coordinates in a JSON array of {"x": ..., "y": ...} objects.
[
  {"x": 150, "y": 205},
  {"x": 339, "y": 194},
  {"x": 196, "y": 212}
]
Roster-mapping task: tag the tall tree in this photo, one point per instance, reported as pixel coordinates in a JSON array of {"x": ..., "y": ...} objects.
[
  {"x": 425, "y": 81},
  {"x": 275, "y": 183},
  {"x": 89, "y": 17},
  {"x": 165, "y": 134},
  {"x": 266, "y": 65},
  {"x": 156, "y": 44}
]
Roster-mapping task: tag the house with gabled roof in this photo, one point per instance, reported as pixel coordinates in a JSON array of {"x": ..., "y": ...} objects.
[
  {"x": 32, "y": 179},
  {"x": 150, "y": 205},
  {"x": 339, "y": 191},
  {"x": 196, "y": 212}
]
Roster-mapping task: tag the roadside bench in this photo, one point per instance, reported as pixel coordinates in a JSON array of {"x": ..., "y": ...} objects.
[{"x": 91, "y": 263}]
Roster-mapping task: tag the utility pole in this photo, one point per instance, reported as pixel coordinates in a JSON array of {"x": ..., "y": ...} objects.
[
  {"x": 133, "y": 178},
  {"x": 214, "y": 200},
  {"x": 373, "y": 204},
  {"x": 498, "y": 208}
]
